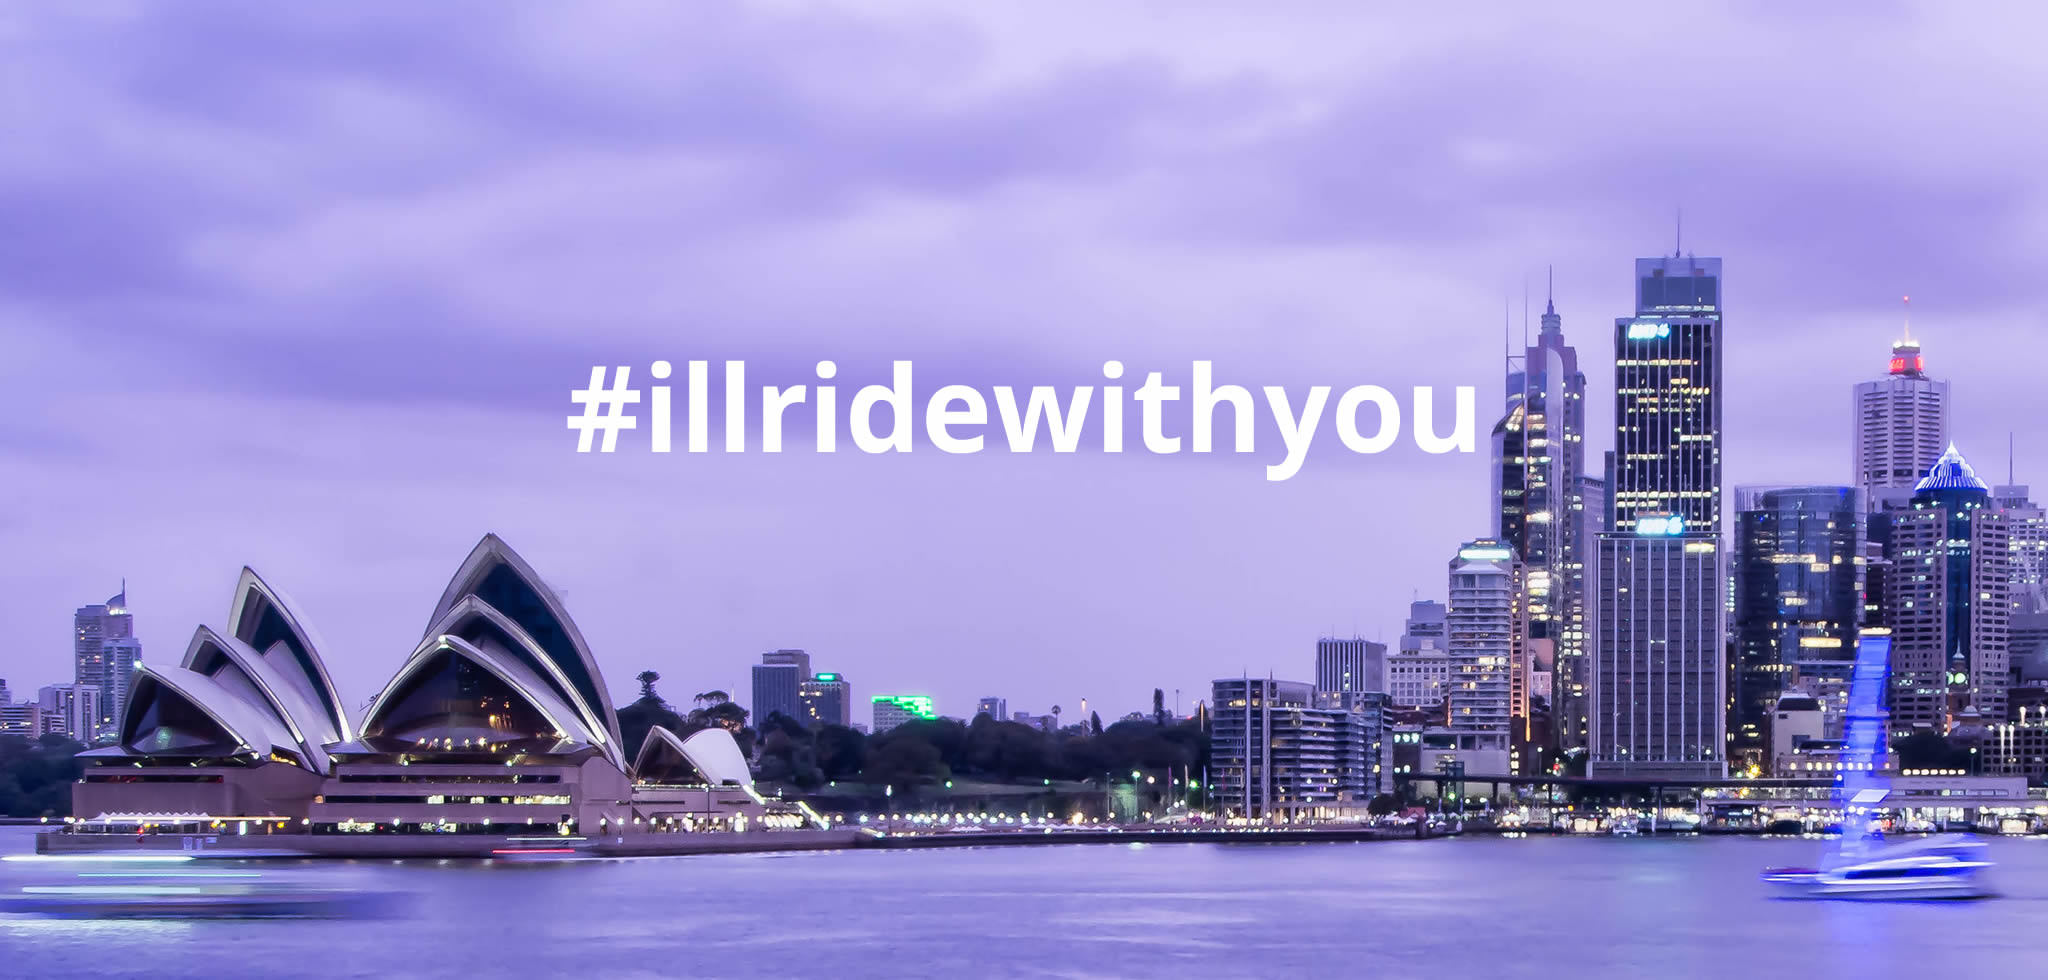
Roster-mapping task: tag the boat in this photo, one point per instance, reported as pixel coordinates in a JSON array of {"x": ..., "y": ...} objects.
[
  {"x": 1950, "y": 866},
  {"x": 1859, "y": 865},
  {"x": 143, "y": 887}
]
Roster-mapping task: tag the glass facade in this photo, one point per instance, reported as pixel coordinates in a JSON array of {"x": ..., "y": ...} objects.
[
  {"x": 1798, "y": 605},
  {"x": 452, "y": 702}
]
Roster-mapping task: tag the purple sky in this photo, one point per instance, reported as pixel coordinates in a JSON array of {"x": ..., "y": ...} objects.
[{"x": 287, "y": 286}]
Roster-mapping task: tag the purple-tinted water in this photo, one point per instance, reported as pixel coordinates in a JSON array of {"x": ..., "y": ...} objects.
[{"x": 1484, "y": 908}]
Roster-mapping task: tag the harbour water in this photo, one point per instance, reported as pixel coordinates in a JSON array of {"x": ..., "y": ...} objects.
[{"x": 1534, "y": 907}]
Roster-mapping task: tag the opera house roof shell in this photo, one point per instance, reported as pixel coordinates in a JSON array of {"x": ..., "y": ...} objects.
[{"x": 501, "y": 668}]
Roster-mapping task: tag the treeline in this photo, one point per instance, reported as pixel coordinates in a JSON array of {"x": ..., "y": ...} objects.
[
  {"x": 36, "y": 775},
  {"x": 927, "y": 752}
]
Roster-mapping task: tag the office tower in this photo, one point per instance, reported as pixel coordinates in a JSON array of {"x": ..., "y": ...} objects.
[
  {"x": 76, "y": 707},
  {"x": 1353, "y": 666},
  {"x": 891, "y": 710},
  {"x": 94, "y": 627},
  {"x": 1797, "y": 552},
  {"x": 1488, "y": 695},
  {"x": 1659, "y": 692},
  {"x": 1539, "y": 484},
  {"x": 996, "y": 708},
  {"x": 827, "y": 700},
  {"x": 1419, "y": 672},
  {"x": 5, "y": 698},
  {"x": 1949, "y": 602},
  {"x": 2029, "y": 528},
  {"x": 778, "y": 684},
  {"x": 1275, "y": 750},
  {"x": 1901, "y": 425}
]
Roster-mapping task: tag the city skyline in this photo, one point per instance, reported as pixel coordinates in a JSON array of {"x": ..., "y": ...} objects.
[{"x": 346, "y": 370}]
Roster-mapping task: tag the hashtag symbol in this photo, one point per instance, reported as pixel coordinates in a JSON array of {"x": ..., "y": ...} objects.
[{"x": 604, "y": 409}]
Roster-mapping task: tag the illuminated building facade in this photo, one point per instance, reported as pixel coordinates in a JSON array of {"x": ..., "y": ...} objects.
[
  {"x": 996, "y": 708},
  {"x": 891, "y": 710},
  {"x": 1488, "y": 694},
  {"x": 1538, "y": 467},
  {"x": 827, "y": 700},
  {"x": 1798, "y": 551},
  {"x": 1901, "y": 426},
  {"x": 1659, "y": 688},
  {"x": 104, "y": 654},
  {"x": 1948, "y": 601}
]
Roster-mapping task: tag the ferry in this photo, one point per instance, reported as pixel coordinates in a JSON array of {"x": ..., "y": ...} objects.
[
  {"x": 1951, "y": 866},
  {"x": 170, "y": 887}
]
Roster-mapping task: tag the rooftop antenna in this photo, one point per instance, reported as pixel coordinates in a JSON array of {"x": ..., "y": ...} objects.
[
  {"x": 1678, "y": 240},
  {"x": 2009, "y": 481},
  {"x": 1906, "y": 304},
  {"x": 1525, "y": 311}
]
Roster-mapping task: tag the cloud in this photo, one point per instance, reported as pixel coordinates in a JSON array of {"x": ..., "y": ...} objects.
[{"x": 306, "y": 285}]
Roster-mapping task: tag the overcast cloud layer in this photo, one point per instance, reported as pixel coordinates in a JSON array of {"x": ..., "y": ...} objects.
[{"x": 305, "y": 288}]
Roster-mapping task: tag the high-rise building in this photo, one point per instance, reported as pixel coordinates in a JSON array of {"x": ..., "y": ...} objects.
[
  {"x": 1797, "y": 610},
  {"x": 1901, "y": 425},
  {"x": 1350, "y": 666},
  {"x": 1276, "y": 750},
  {"x": 996, "y": 708},
  {"x": 1419, "y": 672},
  {"x": 827, "y": 700},
  {"x": 778, "y": 684},
  {"x": 2029, "y": 524},
  {"x": 1539, "y": 483},
  {"x": 1488, "y": 695},
  {"x": 892, "y": 710},
  {"x": 1658, "y": 699},
  {"x": 76, "y": 707},
  {"x": 1949, "y": 602},
  {"x": 99, "y": 659}
]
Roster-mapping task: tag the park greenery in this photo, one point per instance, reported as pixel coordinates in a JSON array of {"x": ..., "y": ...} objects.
[
  {"x": 36, "y": 775},
  {"x": 929, "y": 752}
]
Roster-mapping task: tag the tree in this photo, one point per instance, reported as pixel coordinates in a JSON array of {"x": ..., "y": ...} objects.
[
  {"x": 842, "y": 751},
  {"x": 1159, "y": 706},
  {"x": 712, "y": 699},
  {"x": 1094, "y": 723},
  {"x": 904, "y": 763},
  {"x": 1382, "y": 805},
  {"x": 647, "y": 679}
]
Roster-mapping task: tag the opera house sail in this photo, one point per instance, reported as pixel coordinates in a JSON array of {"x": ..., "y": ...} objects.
[{"x": 497, "y": 722}]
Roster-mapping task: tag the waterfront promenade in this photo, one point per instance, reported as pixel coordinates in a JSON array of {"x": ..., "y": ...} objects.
[{"x": 393, "y": 846}]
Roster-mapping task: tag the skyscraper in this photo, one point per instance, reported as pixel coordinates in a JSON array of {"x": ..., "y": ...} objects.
[
  {"x": 104, "y": 654},
  {"x": 1797, "y": 608},
  {"x": 996, "y": 708},
  {"x": 827, "y": 700},
  {"x": 2029, "y": 526},
  {"x": 1658, "y": 685},
  {"x": 1352, "y": 666},
  {"x": 778, "y": 684},
  {"x": 1539, "y": 469},
  {"x": 1949, "y": 601},
  {"x": 1901, "y": 425},
  {"x": 1489, "y": 689}
]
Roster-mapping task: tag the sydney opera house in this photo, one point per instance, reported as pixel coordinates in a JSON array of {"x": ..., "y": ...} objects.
[{"x": 497, "y": 723}]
